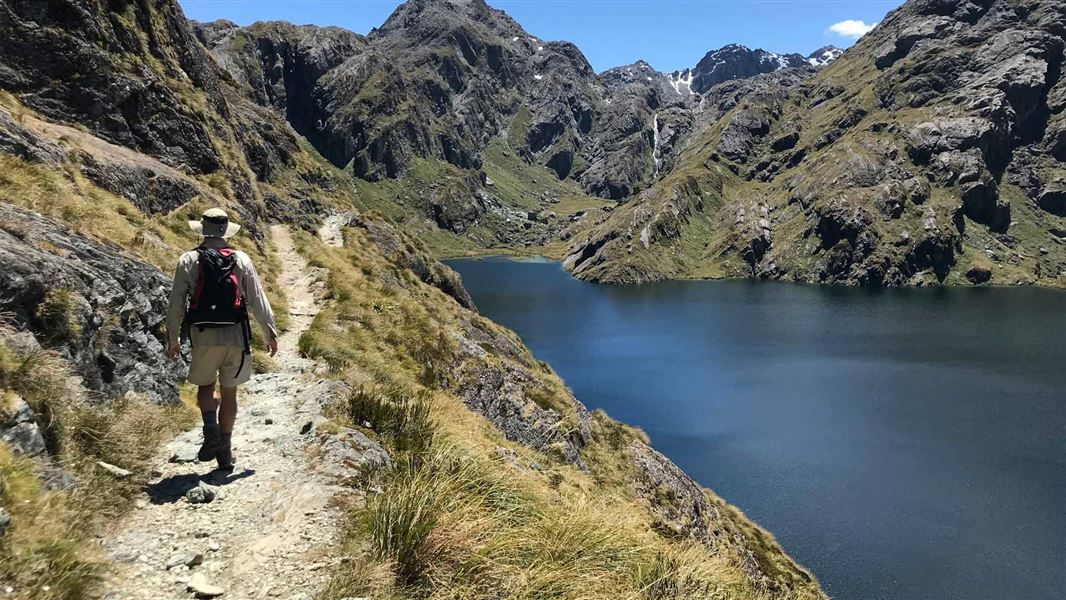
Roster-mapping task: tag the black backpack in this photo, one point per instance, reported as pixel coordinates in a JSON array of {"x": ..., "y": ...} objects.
[{"x": 217, "y": 299}]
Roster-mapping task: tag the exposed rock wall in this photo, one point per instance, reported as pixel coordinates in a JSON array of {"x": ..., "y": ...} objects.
[{"x": 98, "y": 306}]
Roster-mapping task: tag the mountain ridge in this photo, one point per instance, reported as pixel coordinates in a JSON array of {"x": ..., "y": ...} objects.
[{"x": 466, "y": 54}]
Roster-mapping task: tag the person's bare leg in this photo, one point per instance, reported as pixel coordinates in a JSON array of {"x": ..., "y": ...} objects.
[
  {"x": 227, "y": 411},
  {"x": 205, "y": 398},
  {"x": 227, "y": 416}
]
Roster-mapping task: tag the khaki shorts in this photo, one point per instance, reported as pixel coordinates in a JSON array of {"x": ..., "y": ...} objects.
[{"x": 219, "y": 363}]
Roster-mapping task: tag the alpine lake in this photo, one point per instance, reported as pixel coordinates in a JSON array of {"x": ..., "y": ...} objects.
[{"x": 900, "y": 443}]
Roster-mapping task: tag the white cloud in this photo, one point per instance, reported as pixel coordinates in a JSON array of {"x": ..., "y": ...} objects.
[{"x": 851, "y": 28}]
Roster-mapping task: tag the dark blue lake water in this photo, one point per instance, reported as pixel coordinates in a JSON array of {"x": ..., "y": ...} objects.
[{"x": 902, "y": 444}]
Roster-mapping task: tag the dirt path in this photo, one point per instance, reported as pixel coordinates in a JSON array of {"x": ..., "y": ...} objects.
[{"x": 268, "y": 531}]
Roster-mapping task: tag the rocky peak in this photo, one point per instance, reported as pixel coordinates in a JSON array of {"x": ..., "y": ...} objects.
[
  {"x": 824, "y": 55},
  {"x": 637, "y": 72},
  {"x": 418, "y": 22},
  {"x": 735, "y": 61}
]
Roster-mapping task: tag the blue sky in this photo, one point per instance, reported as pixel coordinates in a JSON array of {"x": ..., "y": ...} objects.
[{"x": 669, "y": 34}]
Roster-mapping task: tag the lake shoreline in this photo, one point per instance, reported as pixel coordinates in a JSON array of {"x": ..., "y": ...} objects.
[
  {"x": 864, "y": 427},
  {"x": 520, "y": 257}
]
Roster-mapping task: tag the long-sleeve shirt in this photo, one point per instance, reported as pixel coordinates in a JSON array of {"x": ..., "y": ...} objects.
[{"x": 186, "y": 277}]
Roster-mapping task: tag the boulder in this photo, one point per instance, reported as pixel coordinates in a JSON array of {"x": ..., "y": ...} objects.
[
  {"x": 186, "y": 558},
  {"x": 1053, "y": 201},
  {"x": 202, "y": 494},
  {"x": 349, "y": 456},
  {"x": 980, "y": 202},
  {"x": 979, "y": 274}
]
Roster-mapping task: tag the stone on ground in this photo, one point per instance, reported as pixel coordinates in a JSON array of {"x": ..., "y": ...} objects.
[
  {"x": 202, "y": 494},
  {"x": 199, "y": 586}
]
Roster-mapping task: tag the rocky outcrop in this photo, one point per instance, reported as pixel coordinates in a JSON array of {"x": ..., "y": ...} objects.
[
  {"x": 395, "y": 247},
  {"x": 96, "y": 305},
  {"x": 58, "y": 58},
  {"x": 681, "y": 509},
  {"x": 506, "y": 396}
]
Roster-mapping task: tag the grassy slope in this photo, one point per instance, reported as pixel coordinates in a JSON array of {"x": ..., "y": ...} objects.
[{"x": 469, "y": 514}]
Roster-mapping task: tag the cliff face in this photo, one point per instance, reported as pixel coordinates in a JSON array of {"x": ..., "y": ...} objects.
[{"x": 928, "y": 153}]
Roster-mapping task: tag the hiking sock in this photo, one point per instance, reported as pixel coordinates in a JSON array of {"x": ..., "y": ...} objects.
[{"x": 210, "y": 417}]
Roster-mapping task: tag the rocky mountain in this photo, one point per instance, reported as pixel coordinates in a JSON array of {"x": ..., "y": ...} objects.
[
  {"x": 930, "y": 152},
  {"x": 441, "y": 80}
]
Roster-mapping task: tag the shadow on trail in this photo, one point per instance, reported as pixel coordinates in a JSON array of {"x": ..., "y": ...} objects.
[{"x": 172, "y": 489}]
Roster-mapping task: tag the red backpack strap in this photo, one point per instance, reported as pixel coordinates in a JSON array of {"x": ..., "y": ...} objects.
[{"x": 228, "y": 252}]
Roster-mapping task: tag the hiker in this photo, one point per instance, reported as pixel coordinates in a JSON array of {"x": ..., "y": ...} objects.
[{"x": 215, "y": 288}]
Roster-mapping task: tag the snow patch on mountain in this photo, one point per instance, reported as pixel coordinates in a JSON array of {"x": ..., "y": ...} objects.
[
  {"x": 823, "y": 56},
  {"x": 681, "y": 81}
]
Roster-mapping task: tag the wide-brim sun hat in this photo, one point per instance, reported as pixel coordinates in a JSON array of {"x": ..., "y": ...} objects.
[{"x": 215, "y": 223}]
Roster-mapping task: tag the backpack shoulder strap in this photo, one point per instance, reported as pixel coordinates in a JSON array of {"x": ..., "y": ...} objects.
[{"x": 199, "y": 290}]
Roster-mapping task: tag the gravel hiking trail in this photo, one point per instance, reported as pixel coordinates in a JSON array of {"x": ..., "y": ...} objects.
[{"x": 266, "y": 529}]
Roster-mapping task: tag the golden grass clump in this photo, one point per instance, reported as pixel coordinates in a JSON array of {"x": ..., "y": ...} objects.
[
  {"x": 46, "y": 553},
  {"x": 57, "y": 316}
]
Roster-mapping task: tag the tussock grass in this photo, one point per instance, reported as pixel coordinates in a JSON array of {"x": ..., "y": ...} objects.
[
  {"x": 40, "y": 556},
  {"x": 400, "y": 417},
  {"x": 57, "y": 317},
  {"x": 47, "y": 553},
  {"x": 452, "y": 525}
]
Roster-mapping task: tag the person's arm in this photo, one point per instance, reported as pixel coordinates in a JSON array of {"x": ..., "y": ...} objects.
[
  {"x": 179, "y": 295},
  {"x": 258, "y": 304}
]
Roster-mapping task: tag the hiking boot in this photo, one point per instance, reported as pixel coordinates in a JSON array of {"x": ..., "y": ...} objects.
[
  {"x": 212, "y": 440},
  {"x": 225, "y": 454}
]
